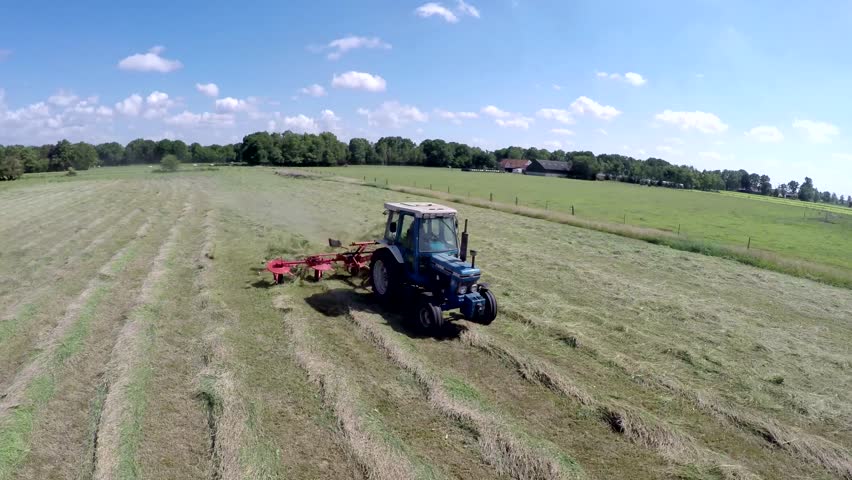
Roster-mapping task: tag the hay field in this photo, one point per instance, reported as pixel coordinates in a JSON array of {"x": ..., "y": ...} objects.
[{"x": 140, "y": 337}]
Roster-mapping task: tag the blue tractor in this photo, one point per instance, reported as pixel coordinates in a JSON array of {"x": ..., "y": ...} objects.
[{"x": 420, "y": 253}]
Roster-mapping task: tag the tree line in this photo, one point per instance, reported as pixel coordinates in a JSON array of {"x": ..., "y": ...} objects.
[{"x": 325, "y": 149}]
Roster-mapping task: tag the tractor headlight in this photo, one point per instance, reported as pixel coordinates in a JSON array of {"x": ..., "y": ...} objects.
[
  {"x": 474, "y": 288},
  {"x": 462, "y": 289}
]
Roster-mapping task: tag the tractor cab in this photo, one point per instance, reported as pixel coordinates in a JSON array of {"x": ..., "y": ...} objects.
[{"x": 421, "y": 250}]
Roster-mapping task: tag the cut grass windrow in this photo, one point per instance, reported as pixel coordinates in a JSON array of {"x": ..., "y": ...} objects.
[
  {"x": 378, "y": 460},
  {"x": 119, "y": 433},
  {"x": 227, "y": 415},
  {"x": 640, "y": 427},
  {"x": 38, "y": 218},
  {"x": 756, "y": 258},
  {"x": 499, "y": 447},
  {"x": 63, "y": 263},
  {"x": 808, "y": 447},
  {"x": 35, "y": 384}
]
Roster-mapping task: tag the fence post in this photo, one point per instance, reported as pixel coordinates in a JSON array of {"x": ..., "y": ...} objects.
[
  {"x": 430, "y": 186},
  {"x": 448, "y": 189},
  {"x": 678, "y": 229},
  {"x": 748, "y": 247},
  {"x": 625, "y": 219},
  {"x": 516, "y": 200},
  {"x": 365, "y": 178},
  {"x": 374, "y": 180},
  {"x": 386, "y": 181},
  {"x": 490, "y": 197},
  {"x": 546, "y": 204},
  {"x": 572, "y": 210}
]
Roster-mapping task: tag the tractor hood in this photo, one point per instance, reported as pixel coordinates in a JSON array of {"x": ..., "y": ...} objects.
[{"x": 453, "y": 266}]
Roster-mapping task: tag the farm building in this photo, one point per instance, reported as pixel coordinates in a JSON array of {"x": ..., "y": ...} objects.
[
  {"x": 549, "y": 168},
  {"x": 514, "y": 165}
]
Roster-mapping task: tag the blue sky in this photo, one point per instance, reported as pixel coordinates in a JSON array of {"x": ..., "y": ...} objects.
[{"x": 715, "y": 84}]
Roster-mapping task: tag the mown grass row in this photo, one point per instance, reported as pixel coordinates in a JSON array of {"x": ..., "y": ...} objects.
[
  {"x": 35, "y": 385},
  {"x": 800, "y": 268}
]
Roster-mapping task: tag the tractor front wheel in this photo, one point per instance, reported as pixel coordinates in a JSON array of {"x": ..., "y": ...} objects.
[
  {"x": 489, "y": 311},
  {"x": 384, "y": 275},
  {"x": 430, "y": 317}
]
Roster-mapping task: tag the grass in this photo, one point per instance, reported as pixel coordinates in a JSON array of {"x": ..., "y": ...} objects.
[
  {"x": 786, "y": 228},
  {"x": 611, "y": 357}
]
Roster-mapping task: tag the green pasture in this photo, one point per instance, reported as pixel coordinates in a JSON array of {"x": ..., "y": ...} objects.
[{"x": 789, "y": 228}]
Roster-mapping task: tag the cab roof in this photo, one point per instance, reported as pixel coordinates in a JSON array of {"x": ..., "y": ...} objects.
[{"x": 421, "y": 209}]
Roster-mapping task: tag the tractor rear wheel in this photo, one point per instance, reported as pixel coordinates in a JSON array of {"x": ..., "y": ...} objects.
[
  {"x": 385, "y": 276},
  {"x": 489, "y": 311},
  {"x": 430, "y": 317}
]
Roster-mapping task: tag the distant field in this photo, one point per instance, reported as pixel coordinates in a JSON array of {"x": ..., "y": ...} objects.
[
  {"x": 789, "y": 228},
  {"x": 141, "y": 338}
]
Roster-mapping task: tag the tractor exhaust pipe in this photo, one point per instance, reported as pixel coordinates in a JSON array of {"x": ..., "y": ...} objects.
[{"x": 463, "y": 249}]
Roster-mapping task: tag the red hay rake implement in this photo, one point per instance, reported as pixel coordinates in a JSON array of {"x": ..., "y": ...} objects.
[{"x": 353, "y": 261}]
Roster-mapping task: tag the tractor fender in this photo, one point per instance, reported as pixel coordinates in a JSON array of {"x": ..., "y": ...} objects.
[
  {"x": 396, "y": 253},
  {"x": 393, "y": 249}
]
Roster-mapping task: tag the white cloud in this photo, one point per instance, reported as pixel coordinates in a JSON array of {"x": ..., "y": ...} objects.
[
  {"x": 561, "y": 131},
  {"x": 765, "y": 133},
  {"x": 157, "y": 99},
  {"x": 585, "y": 105},
  {"x": 359, "y": 80},
  {"x": 150, "y": 62},
  {"x": 674, "y": 140},
  {"x": 329, "y": 120},
  {"x": 130, "y": 106},
  {"x": 553, "y": 144},
  {"x": 455, "y": 117},
  {"x": 635, "y": 79},
  {"x": 632, "y": 78},
  {"x": 710, "y": 155},
  {"x": 495, "y": 112},
  {"x": 206, "y": 119},
  {"x": 702, "y": 121},
  {"x": 842, "y": 157},
  {"x": 515, "y": 122},
  {"x": 602, "y": 131},
  {"x": 62, "y": 98},
  {"x": 343, "y": 45},
  {"x": 104, "y": 111},
  {"x": 393, "y": 114},
  {"x": 817, "y": 132},
  {"x": 561, "y": 116},
  {"x": 507, "y": 119},
  {"x": 158, "y": 104},
  {"x": 429, "y": 9},
  {"x": 231, "y": 104},
  {"x": 557, "y": 87},
  {"x": 668, "y": 149},
  {"x": 467, "y": 9},
  {"x": 314, "y": 90},
  {"x": 301, "y": 124},
  {"x": 209, "y": 89}
]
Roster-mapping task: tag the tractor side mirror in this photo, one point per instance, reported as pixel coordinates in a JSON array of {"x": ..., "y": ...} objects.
[
  {"x": 392, "y": 227},
  {"x": 384, "y": 212}
]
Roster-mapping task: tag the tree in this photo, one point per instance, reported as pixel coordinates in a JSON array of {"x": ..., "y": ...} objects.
[
  {"x": 83, "y": 156},
  {"x": 140, "y": 151},
  {"x": 11, "y": 167},
  {"x": 793, "y": 186},
  {"x": 359, "y": 150},
  {"x": 753, "y": 183},
  {"x": 782, "y": 190},
  {"x": 584, "y": 166},
  {"x": 257, "y": 148},
  {"x": 110, "y": 153},
  {"x": 806, "y": 190},
  {"x": 834, "y": 199},
  {"x": 765, "y": 185},
  {"x": 170, "y": 163},
  {"x": 436, "y": 153}
]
